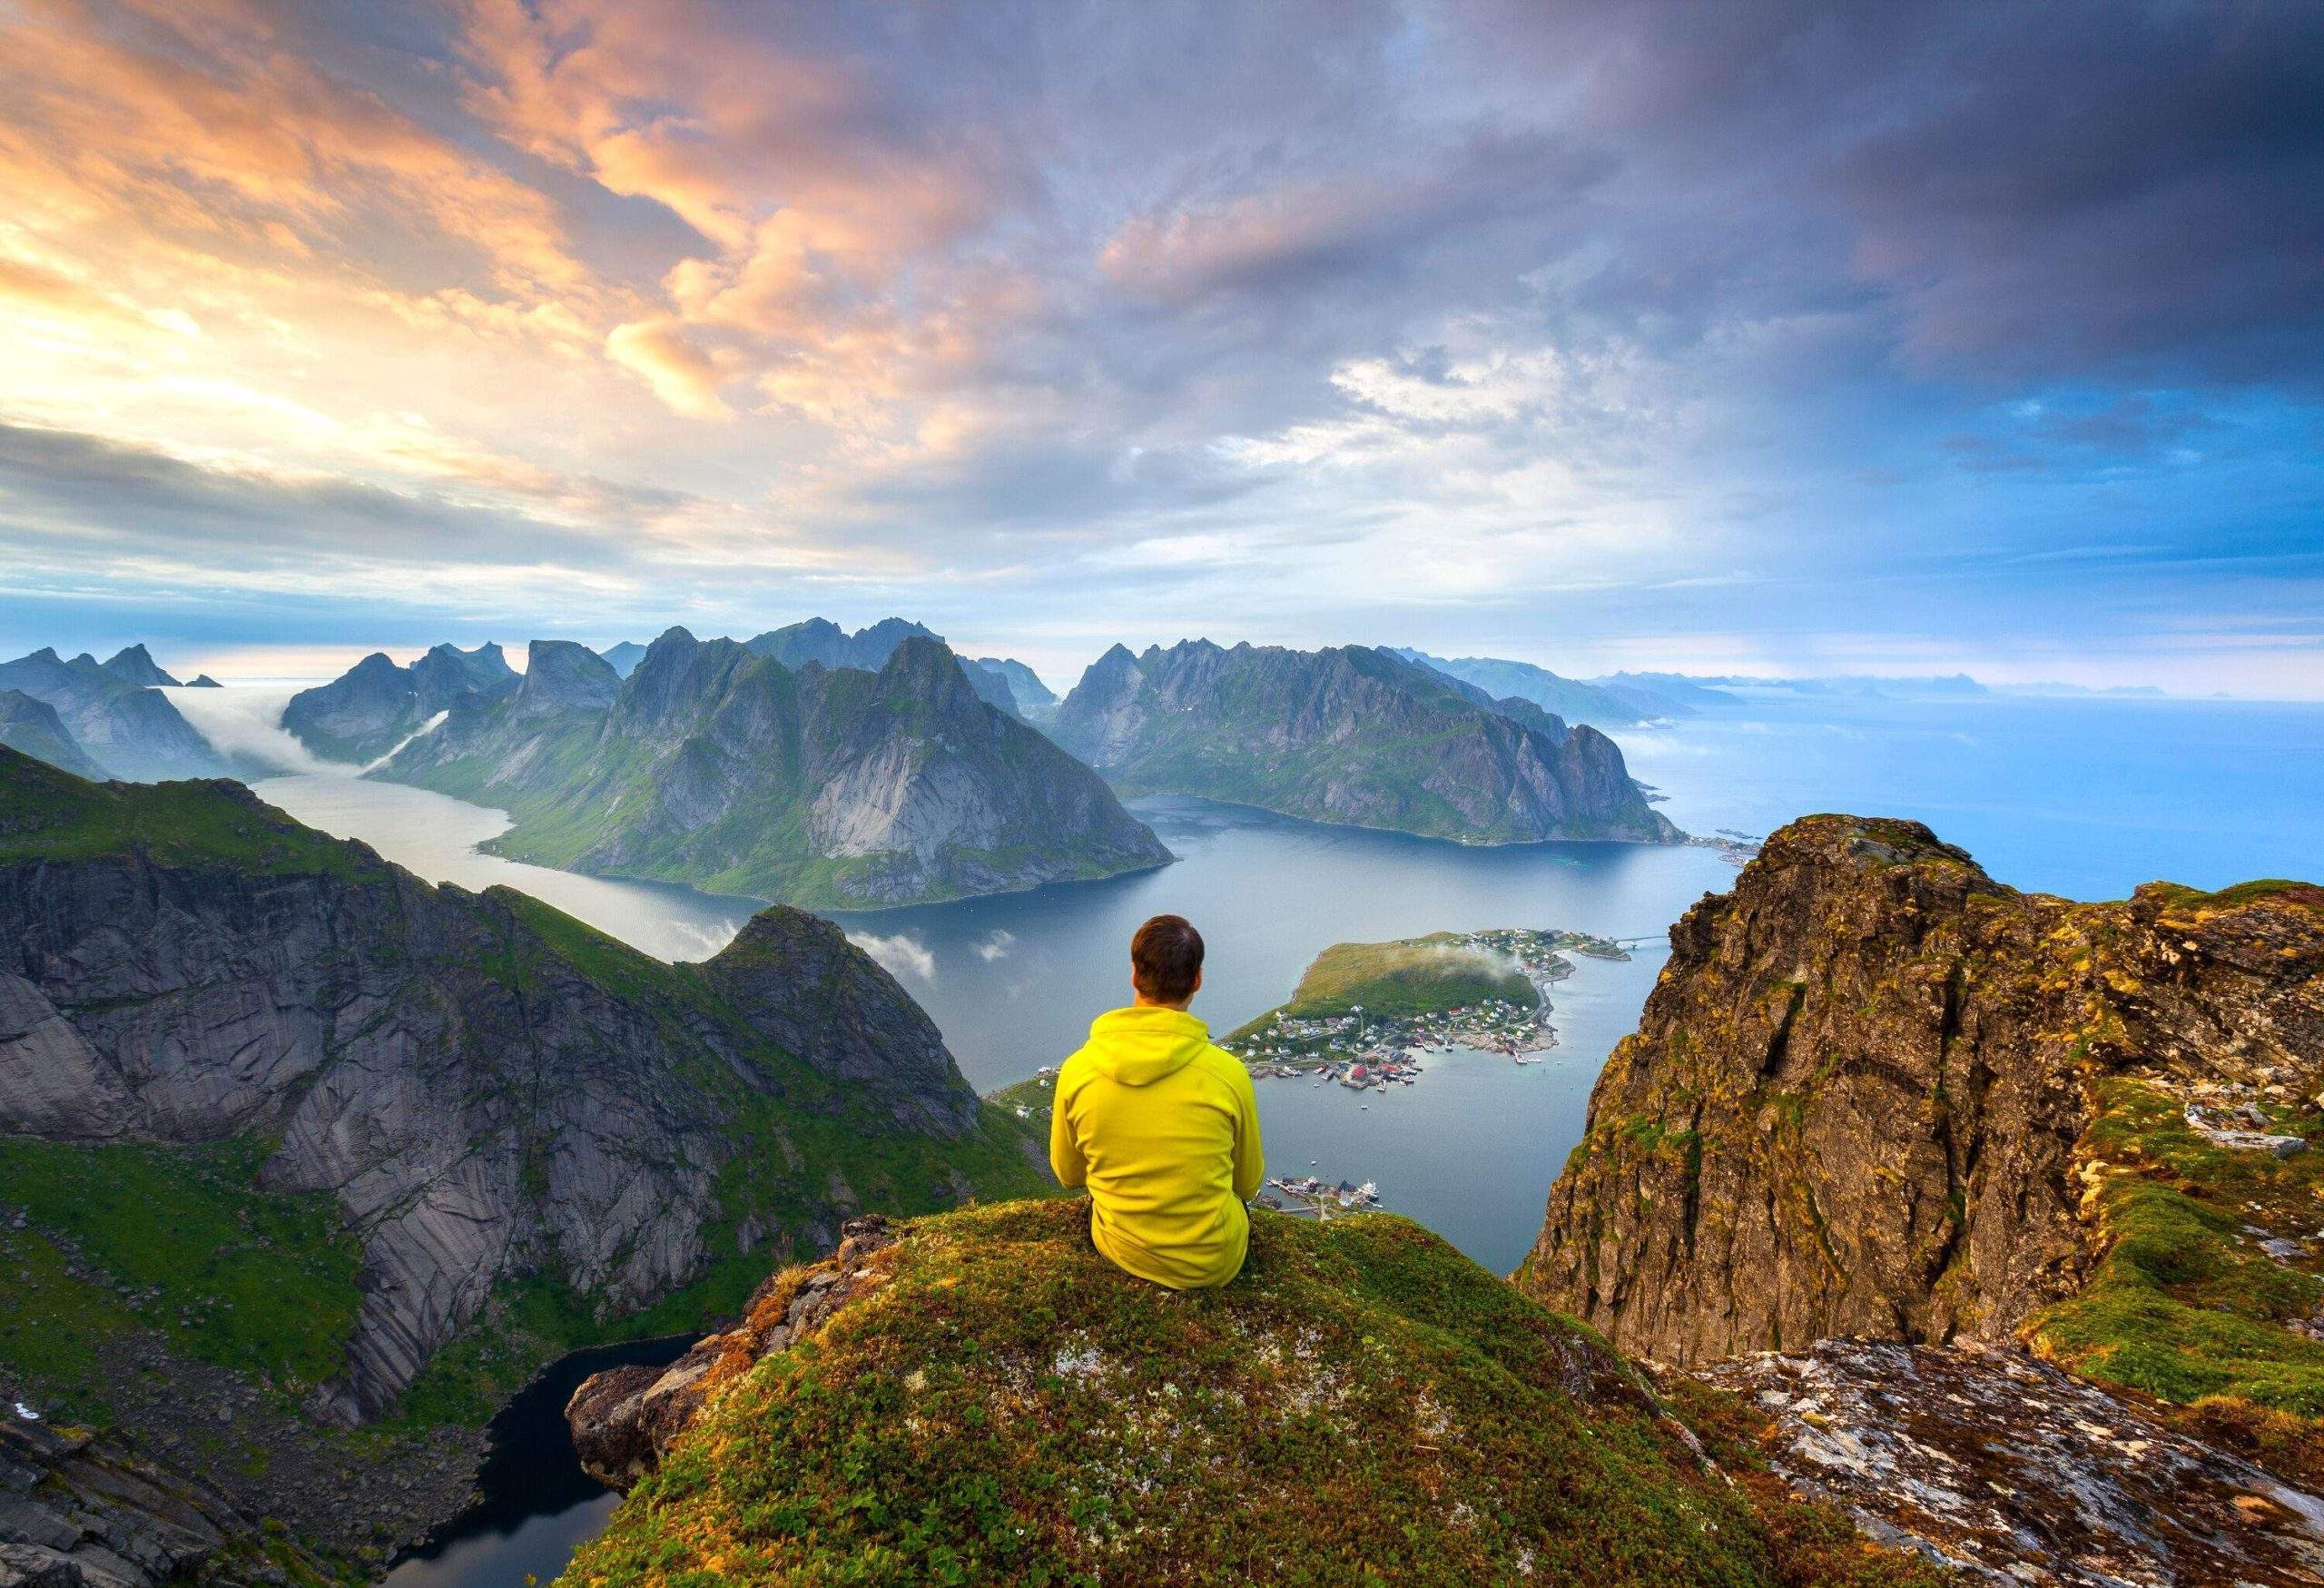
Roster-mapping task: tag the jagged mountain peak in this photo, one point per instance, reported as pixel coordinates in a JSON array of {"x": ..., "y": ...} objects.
[
  {"x": 135, "y": 664},
  {"x": 924, "y": 669},
  {"x": 563, "y": 676}
]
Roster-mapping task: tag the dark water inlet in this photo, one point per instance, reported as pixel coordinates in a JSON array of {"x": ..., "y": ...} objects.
[{"x": 538, "y": 1505}]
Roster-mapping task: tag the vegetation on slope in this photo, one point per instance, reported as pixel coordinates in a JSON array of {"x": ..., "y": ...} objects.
[
  {"x": 261, "y": 1282},
  {"x": 1363, "y": 1406},
  {"x": 48, "y": 814},
  {"x": 126, "y": 1237},
  {"x": 2185, "y": 1304},
  {"x": 728, "y": 770},
  {"x": 1421, "y": 975}
]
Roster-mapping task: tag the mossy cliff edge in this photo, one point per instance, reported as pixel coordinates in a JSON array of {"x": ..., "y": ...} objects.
[{"x": 978, "y": 1396}]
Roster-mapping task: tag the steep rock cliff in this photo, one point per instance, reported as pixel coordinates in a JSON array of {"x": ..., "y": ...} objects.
[
  {"x": 491, "y": 1091},
  {"x": 1349, "y": 734},
  {"x": 1878, "y": 1094},
  {"x": 830, "y": 787}
]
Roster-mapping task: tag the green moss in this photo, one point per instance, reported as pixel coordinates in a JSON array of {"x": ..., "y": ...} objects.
[
  {"x": 2178, "y": 1305},
  {"x": 261, "y": 1282},
  {"x": 48, "y": 814},
  {"x": 1363, "y": 1406},
  {"x": 2264, "y": 890}
]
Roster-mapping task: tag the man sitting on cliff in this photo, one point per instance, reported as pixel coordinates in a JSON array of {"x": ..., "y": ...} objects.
[{"x": 1160, "y": 1125}]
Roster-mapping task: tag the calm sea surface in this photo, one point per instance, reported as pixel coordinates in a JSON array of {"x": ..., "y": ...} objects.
[{"x": 2086, "y": 798}]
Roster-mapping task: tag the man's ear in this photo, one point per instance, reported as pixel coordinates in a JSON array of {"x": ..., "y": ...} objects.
[{"x": 1195, "y": 988}]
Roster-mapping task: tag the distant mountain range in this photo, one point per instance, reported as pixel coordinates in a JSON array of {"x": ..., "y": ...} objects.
[
  {"x": 1624, "y": 701},
  {"x": 1349, "y": 734},
  {"x": 375, "y": 706},
  {"x": 106, "y": 716},
  {"x": 716, "y": 762}
]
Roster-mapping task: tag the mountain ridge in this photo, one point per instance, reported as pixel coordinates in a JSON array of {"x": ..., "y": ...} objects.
[
  {"x": 1350, "y": 734},
  {"x": 713, "y": 765}
]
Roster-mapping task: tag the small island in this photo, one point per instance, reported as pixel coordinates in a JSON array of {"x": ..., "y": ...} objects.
[{"x": 1363, "y": 1008}]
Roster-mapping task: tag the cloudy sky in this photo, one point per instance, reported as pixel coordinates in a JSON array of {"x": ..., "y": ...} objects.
[{"x": 1760, "y": 335}]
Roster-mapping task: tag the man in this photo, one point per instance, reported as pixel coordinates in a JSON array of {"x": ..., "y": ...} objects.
[{"x": 1161, "y": 1125}]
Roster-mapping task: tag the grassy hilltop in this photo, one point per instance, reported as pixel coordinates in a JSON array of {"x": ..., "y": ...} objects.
[{"x": 1364, "y": 1405}]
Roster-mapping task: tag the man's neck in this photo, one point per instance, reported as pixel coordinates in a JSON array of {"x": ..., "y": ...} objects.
[{"x": 1137, "y": 1002}]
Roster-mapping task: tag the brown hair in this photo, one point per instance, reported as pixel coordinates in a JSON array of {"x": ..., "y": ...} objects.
[{"x": 1164, "y": 959}]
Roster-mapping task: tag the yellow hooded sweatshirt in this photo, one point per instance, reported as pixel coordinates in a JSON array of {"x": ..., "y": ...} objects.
[{"x": 1164, "y": 1129}]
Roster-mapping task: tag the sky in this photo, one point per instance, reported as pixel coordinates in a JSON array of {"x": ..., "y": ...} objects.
[{"x": 1761, "y": 336}]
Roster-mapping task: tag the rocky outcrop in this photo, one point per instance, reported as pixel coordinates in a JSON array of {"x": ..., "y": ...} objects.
[
  {"x": 2011, "y": 1472},
  {"x": 32, "y": 727},
  {"x": 1349, "y": 734},
  {"x": 487, "y": 1088},
  {"x": 561, "y": 677},
  {"x": 83, "y": 1509},
  {"x": 979, "y": 1396},
  {"x": 129, "y": 730},
  {"x": 624, "y": 1420},
  {"x": 836, "y": 788},
  {"x": 375, "y": 706},
  {"x": 1861, "y": 1098}
]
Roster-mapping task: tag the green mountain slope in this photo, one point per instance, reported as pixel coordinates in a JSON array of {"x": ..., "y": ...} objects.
[
  {"x": 1349, "y": 734},
  {"x": 834, "y": 788}
]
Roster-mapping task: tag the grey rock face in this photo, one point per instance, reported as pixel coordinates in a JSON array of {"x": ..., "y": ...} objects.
[
  {"x": 2013, "y": 1472},
  {"x": 1025, "y": 687},
  {"x": 481, "y": 1102},
  {"x": 83, "y": 1509},
  {"x": 135, "y": 664},
  {"x": 826, "y": 644},
  {"x": 1349, "y": 734}
]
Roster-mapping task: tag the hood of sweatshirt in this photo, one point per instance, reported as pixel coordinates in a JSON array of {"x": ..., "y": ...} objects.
[{"x": 1140, "y": 1045}]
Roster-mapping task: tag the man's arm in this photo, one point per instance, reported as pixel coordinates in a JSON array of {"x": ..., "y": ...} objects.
[
  {"x": 1065, "y": 1150},
  {"x": 1250, "y": 1156}
]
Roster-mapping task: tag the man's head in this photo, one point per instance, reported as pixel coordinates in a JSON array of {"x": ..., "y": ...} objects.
[{"x": 1165, "y": 961}]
